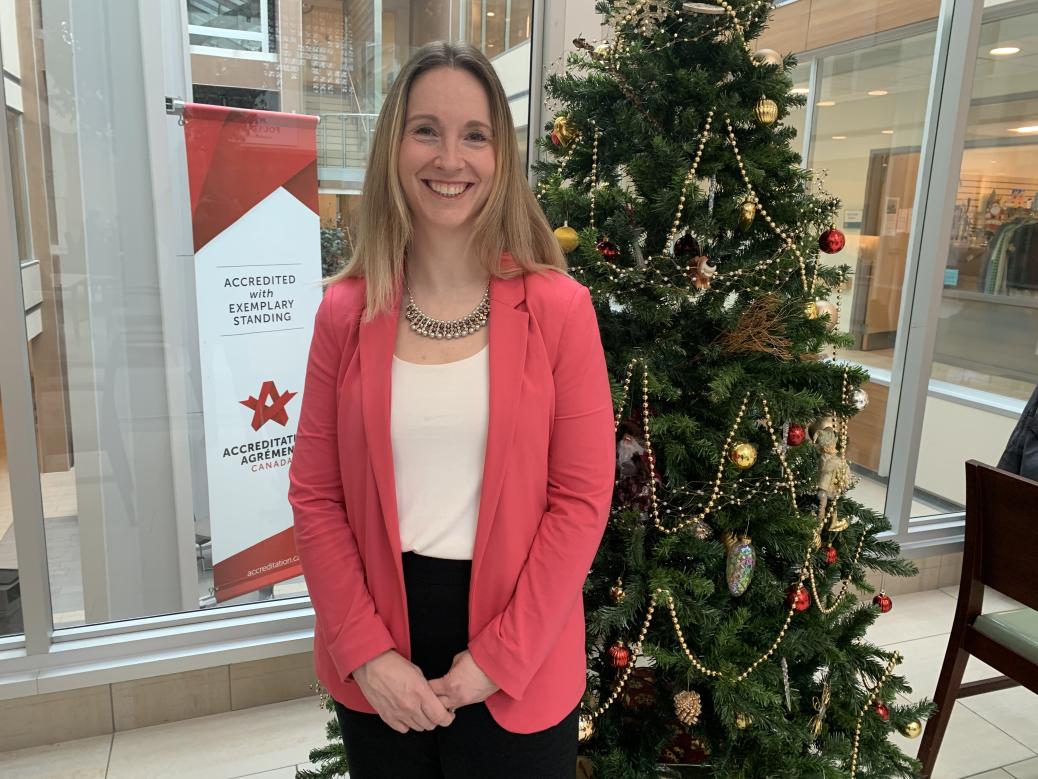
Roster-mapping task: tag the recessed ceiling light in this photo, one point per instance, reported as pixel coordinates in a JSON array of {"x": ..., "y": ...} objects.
[
  {"x": 1025, "y": 130},
  {"x": 799, "y": 91},
  {"x": 887, "y": 132},
  {"x": 839, "y": 137},
  {"x": 826, "y": 103},
  {"x": 1005, "y": 51},
  {"x": 878, "y": 93}
]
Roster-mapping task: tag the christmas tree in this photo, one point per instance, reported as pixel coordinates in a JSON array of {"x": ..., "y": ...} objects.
[{"x": 723, "y": 630}]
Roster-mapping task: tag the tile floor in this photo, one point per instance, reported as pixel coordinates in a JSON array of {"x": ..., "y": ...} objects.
[{"x": 994, "y": 736}]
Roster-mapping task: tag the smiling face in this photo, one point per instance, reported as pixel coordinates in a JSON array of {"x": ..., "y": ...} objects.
[{"x": 447, "y": 156}]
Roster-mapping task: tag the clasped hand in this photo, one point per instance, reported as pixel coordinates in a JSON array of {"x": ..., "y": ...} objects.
[{"x": 405, "y": 700}]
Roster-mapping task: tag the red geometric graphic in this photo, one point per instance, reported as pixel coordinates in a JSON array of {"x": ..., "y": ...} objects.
[{"x": 275, "y": 412}]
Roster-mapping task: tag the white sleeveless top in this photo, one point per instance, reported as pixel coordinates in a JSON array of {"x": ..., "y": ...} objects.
[{"x": 438, "y": 427}]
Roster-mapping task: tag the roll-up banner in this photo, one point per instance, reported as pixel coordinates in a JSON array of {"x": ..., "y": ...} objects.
[{"x": 253, "y": 181}]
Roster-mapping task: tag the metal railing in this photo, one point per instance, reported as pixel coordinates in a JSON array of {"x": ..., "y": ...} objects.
[{"x": 344, "y": 139}]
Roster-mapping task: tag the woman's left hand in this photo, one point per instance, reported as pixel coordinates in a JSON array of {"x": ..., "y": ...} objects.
[{"x": 464, "y": 683}]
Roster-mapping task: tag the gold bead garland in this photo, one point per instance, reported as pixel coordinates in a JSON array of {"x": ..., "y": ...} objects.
[
  {"x": 676, "y": 226},
  {"x": 790, "y": 243},
  {"x": 855, "y": 749},
  {"x": 594, "y": 172}
]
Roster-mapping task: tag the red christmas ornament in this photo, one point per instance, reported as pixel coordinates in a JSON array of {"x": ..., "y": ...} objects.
[
  {"x": 799, "y": 598},
  {"x": 796, "y": 435},
  {"x": 831, "y": 555},
  {"x": 608, "y": 249},
  {"x": 882, "y": 711},
  {"x": 555, "y": 138},
  {"x": 686, "y": 245},
  {"x": 884, "y": 602},
  {"x": 831, "y": 241},
  {"x": 620, "y": 655}
]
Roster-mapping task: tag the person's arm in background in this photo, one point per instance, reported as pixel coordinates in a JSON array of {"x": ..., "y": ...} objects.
[{"x": 1021, "y": 453}]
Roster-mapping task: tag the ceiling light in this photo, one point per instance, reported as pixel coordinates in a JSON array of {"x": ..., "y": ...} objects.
[
  {"x": 878, "y": 93},
  {"x": 839, "y": 137},
  {"x": 1025, "y": 130},
  {"x": 1005, "y": 51},
  {"x": 799, "y": 91},
  {"x": 826, "y": 103},
  {"x": 887, "y": 132},
  {"x": 490, "y": 13}
]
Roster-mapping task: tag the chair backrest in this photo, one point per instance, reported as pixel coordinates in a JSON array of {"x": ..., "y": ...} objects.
[{"x": 1002, "y": 531}]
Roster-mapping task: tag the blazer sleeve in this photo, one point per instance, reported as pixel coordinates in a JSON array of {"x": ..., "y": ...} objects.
[
  {"x": 581, "y": 469},
  {"x": 327, "y": 548}
]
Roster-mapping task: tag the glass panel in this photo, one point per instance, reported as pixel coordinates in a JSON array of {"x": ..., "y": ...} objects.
[
  {"x": 868, "y": 129},
  {"x": 796, "y": 117},
  {"x": 520, "y": 20},
  {"x": 114, "y": 361},
  {"x": 225, "y": 14},
  {"x": 10, "y": 592},
  {"x": 220, "y": 42},
  {"x": 986, "y": 353},
  {"x": 495, "y": 28},
  {"x": 18, "y": 184}
]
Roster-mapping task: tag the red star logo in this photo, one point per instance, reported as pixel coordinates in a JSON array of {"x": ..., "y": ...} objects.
[{"x": 264, "y": 413}]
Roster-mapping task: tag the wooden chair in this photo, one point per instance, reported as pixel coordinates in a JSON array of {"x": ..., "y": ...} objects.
[{"x": 1001, "y": 551}]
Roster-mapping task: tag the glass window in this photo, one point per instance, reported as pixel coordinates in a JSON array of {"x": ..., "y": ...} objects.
[
  {"x": 797, "y": 116},
  {"x": 869, "y": 119},
  {"x": 116, "y": 364},
  {"x": 234, "y": 25},
  {"x": 986, "y": 353},
  {"x": 18, "y": 184},
  {"x": 519, "y": 21},
  {"x": 10, "y": 592}
]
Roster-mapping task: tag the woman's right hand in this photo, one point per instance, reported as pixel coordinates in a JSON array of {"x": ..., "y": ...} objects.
[{"x": 400, "y": 693}]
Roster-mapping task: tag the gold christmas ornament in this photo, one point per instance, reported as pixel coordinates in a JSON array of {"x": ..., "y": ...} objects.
[
  {"x": 567, "y": 237},
  {"x": 565, "y": 130},
  {"x": 702, "y": 531},
  {"x": 767, "y": 57},
  {"x": 912, "y": 729},
  {"x": 767, "y": 111},
  {"x": 688, "y": 706},
  {"x": 823, "y": 308},
  {"x": 586, "y": 728},
  {"x": 839, "y": 524},
  {"x": 743, "y": 455},
  {"x": 743, "y": 721},
  {"x": 747, "y": 212},
  {"x": 811, "y": 309},
  {"x": 601, "y": 51}
]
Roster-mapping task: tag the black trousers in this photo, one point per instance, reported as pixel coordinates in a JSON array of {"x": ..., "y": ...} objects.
[{"x": 473, "y": 745}]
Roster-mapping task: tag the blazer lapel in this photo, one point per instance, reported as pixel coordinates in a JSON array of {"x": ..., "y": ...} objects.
[
  {"x": 508, "y": 333},
  {"x": 377, "y": 341},
  {"x": 508, "y": 328}
]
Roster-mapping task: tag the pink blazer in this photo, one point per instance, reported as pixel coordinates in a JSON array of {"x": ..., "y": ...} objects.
[{"x": 546, "y": 491}]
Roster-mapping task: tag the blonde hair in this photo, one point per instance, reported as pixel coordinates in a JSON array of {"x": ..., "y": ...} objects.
[{"x": 511, "y": 220}]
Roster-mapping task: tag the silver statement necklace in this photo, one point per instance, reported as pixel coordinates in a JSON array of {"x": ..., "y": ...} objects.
[{"x": 430, "y": 327}]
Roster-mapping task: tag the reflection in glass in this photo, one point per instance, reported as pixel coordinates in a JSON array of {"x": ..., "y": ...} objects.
[
  {"x": 986, "y": 351},
  {"x": 868, "y": 129}
]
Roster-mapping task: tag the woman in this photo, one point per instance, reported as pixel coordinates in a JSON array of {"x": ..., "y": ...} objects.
[{"x": 450, "y": 493}]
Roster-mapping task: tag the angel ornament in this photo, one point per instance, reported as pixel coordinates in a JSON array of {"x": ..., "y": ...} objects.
[{"x": 834, "y": 475}]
